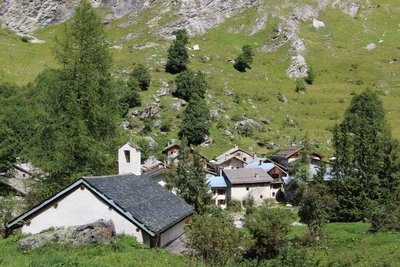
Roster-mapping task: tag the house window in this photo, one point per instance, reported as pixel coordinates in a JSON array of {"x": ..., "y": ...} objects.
[
  {"x": 247, "y": 189},
  {"x": 127, "y": 156},
  {"x": 221, "y": 202},
  {"x": 221, "y": 192},
  {"x": 245, "y": 159},
  {"x": 261, "y": 196},
  {"x": 273, "y": 194}
]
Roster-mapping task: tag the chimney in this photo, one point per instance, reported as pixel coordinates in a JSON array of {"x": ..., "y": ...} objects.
[{"x": 256, "y": 175}]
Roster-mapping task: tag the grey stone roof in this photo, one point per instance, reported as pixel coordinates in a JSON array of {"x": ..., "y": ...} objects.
[
  {"x": 146, "y": 200},
  {"x": 284, "y": 154},
  {"x": 247, "y": 176}
]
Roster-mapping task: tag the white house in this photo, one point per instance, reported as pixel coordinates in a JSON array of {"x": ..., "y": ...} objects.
[
  {"x": 250, "y": 181},
  {"x": 137, "y": 205},
  {"x": 234, "y": 158},
  {"x": 129, "y": 159},
  {"x": 219, "y": 190}
]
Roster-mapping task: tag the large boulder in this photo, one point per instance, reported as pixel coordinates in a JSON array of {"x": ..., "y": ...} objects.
[{"x": 101, "y": 231}]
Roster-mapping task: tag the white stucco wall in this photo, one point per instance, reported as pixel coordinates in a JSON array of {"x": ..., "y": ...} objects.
[
  {"x": 134, "y": 166},
  {"x": 241, "y": 192},
  {"x": 172, "y": 233},
  {"x": 78, "y": 208}
]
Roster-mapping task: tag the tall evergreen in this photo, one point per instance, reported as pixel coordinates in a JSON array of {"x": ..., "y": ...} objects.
[
  {"x": 189, "y": 83},
  {"x": 76, "y": 126},
  {"x": 178, "y": 56},
  {"x": 188, "y": 178},
  {"x": 363, "y": 147},
  {"x": 196, "y": 121}
]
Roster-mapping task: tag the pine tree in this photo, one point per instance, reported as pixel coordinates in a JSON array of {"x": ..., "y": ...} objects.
[
  {"x": 189, "y": 83},
  {"x": 188, "y": 178},
  {"x": 196, "y": 121},
  {"x": 76, "y": 125},
  {"x": 244, "y": 60},
  {"x": 178, "y": 56},
  {"x": 142, "y": 75}
]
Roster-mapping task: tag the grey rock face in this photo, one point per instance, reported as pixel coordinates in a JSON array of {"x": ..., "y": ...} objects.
[
  {"x": 149, "y": 112},
  {"x": 100, "y": 231},
  {"x": 26, "y": 16}
]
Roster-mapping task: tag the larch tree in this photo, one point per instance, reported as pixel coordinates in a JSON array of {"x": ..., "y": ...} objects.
[{"x": 76, "y": 125}]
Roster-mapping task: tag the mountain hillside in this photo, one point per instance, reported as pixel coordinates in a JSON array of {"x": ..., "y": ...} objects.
[{"x": 350, "y": 45}]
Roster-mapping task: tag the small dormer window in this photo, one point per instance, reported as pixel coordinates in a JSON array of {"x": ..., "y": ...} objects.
[{"x": 127, "y": 156}]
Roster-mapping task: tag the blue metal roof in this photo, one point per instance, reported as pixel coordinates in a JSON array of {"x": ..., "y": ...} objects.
[{"x": 216, "y": 181}]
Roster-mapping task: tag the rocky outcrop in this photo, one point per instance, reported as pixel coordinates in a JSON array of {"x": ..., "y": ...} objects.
[
  {"x": 101, "y": 231},
  {"x": 26, "y": 16},
  {"x": 199, "y": 16}
]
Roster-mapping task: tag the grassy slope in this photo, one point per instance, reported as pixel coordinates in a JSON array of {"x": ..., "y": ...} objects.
[
  {"x": 127, "y": 253},
  {"x": 348, "y": 244},
  {"x": 337, "y": 54}
]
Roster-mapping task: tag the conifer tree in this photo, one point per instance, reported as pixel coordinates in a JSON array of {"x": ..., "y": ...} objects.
[
  {"x": 189, "y": 83},
  {"x": 76, "y": 126},
  {"x": 244, "y": 60},
  {"x": 196, "y": 121},
  {"x": 142, "y": 75},
  {"x": 188, "y": 179},
  {"x": 178, "y": 56}
]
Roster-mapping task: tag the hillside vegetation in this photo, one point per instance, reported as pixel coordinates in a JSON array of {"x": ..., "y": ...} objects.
[
  {"x": 336, "y": 52},
  {"x": 348, "y": 244}
]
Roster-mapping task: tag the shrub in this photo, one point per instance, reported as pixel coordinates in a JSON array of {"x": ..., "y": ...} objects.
[
  {"x": 244, "y": 60},
  {"x": 269, "y": 227},
  {"x": 386, "y": 219},
  {"x": 234, "y": 205},
  {"x": 142, "y": 75},
  {"x": 300, "y": 86},
  {"x": 310, "y": 76}
]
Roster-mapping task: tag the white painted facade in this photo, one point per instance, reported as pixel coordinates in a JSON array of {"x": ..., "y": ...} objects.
[
  {"x": 82, "y": 207},
  {"x": 129, "y": 159},
  {"x": 172, "y": 233},
  {"x": 219, "y": 197},
  {"x": 259, "y": 192}
]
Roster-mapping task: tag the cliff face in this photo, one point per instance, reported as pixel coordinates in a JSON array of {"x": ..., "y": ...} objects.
[{"x": 24, "y": 17}]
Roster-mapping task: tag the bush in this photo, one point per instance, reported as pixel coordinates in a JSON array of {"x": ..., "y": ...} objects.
[
  {"x": 244, "y": 60},
  {"x": 386, "y": 219},
  {"x": 310, "y": 76},
  {"x": 215, "y": 239},
  {"x": 142, "y": 75},
  {"x": 300, "y": 86},
  {"x": 234, "y": 205},
  {"x": 269, "y": 227}
]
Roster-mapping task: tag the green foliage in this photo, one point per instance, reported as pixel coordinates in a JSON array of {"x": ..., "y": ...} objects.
[
  {"x": 310, "y": 76},
  {"x": 76, "y": 123},
  {"x": 366, "y": 166},
  {"x": 8, "y": 205},
  {"x": 127, "y": 252},
  {"x": 178, "y": 56},
  {"x": 316, "y": 207},
  {"x": 141, "y": 74},
  {"x": 269, "y": 227},
  {"x": 188, "y": 178},
  {"x": 250, "y": 204},
  {"x": 166, "y": 126},
  {"x": 300, "y": 86},
  {"x": 129, "y": 95},
  {"x": 189, "y": 83},
  {"x": 244, "y": 60},
  {"x": 196, "y": 121},
  {"x": 234, "y": 205},
  {"x": 215, "y": 239},
  {"x": 386, "y": 218}
]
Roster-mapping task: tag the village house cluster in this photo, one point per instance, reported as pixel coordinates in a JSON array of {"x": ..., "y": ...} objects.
[{"x": 137, "y": 201}]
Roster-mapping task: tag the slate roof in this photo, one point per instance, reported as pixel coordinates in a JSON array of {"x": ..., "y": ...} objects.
[
  {"x": 229, "y": 154},
  {"x": 287, "y": 153},
  {"x": 147, "y": 201},
  {"x": 247, "y": 176}
]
